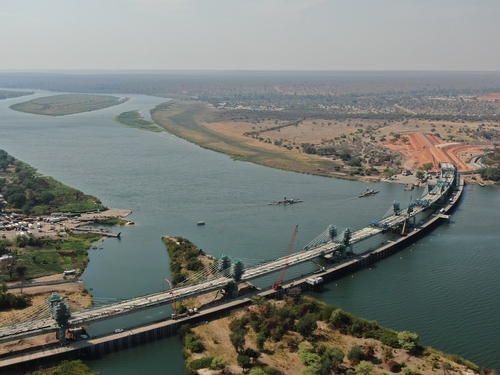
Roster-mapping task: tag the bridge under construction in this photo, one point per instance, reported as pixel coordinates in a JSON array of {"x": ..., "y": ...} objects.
[{"x": 338, "y": 246}]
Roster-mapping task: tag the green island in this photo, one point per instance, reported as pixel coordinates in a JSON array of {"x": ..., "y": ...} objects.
[
  {"x": 134, "y": 119},
  {"x": 185, "y": 258},
  {"x": 7, "y": 94},
  {"x": 300, "y": 335},
  {"x": 67, "y": 104}
]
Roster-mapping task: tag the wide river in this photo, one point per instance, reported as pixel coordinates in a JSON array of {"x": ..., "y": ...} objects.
[{"x": 445, "y": 287}]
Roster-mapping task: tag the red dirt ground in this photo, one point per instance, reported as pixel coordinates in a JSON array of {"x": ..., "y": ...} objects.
[
  {"x": 490, "y": 97},
  {"x": 427, "y": 148}
]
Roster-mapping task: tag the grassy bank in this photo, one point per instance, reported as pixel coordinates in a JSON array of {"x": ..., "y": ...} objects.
[
  {"x": 67, "y": 104},
  {"x": 185, "y": 119},
  {"x": 46, "y": 256}
]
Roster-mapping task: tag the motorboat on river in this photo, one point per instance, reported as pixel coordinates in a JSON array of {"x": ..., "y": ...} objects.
[{"x": 368, "y": 192}]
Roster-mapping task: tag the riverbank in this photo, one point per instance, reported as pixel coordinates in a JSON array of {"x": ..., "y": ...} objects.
[
  {"x": 307, "y": 147},
  {"x": 328, "y": 330},
  {"x": 68, "y": 286}
]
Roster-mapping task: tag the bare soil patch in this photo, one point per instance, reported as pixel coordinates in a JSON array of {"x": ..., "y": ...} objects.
[
  {"x": 72, "y": 292},
  {"x": 419, "y": 148},
  {"x": 490, "y": 97}
]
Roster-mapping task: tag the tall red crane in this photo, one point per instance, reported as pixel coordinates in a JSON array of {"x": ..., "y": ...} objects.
[
  {"x": 277, "y": 284},
  {"x": 173, "y": 296}
]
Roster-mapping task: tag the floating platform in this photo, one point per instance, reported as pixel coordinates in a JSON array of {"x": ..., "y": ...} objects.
[{"x": 286, "y": 201}]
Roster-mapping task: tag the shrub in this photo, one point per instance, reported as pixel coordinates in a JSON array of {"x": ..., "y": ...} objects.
[
  {"x": 393, "y": 366},
  {"x": 218, "y": 363},
  {"x": 356, "y": 354},
  {"x": 196, "y": 346},
  {"x": 200, "y": 363},
  {"x": 306, "y": 325}
]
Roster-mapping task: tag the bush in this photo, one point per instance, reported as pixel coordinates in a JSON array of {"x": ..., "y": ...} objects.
[
  {"x": 200, "y": 363},
  {"x": 306, "y": 325},
  {"x": 196, "y": 346},
  {"x": 218, "y": 363},
  {"x": 340, "y": 320},
  {"x": 356, "y": 354}
]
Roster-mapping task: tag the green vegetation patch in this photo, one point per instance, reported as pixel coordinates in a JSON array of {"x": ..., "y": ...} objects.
[
  {"x": 34, "y": 194},
  {"x": 12, "y": 301},
  {"x": 66, "y": 368},
  {"x": 491, "y": 168},
  {"x": 67, "y": 104},
  {"x": 112, "y": 220},
  {"x": 48, "y": 256},
  {"x": 6, "y": 94},
  {"x": 185, "y": 258},
  {"x": 135, "y": 120}
]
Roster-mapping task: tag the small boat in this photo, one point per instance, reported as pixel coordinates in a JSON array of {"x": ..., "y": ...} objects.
[
  {"x": 200, "y": 223},
  {"x": 368, "y": 192}
]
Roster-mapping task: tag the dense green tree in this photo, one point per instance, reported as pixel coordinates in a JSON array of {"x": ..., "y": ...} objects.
[
  {"x": 340, "y": 320},
  {"x": 364, "y": 367},
  {"x": 355, "y": 355},
  {"x": 218, "y": 363},
  {"x": 237, "y": 338},
  {"x": 420, "y": 175},
  {"x": 260, "y": 341},
  {"x": 427, "y": 166},
  {"x": 243, "y": 361},
  {"x": 257, "y": 371},
  {"x": 306, "y": 325},
  {"x": 408, "y": 340},
  {"x": 21, "y": 270}
]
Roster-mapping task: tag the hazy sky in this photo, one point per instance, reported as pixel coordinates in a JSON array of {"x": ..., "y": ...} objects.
[{"x": 250, "y": 34}]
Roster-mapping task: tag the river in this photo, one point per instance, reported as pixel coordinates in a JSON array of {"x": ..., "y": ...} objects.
[{"x": 445, "y": 287}]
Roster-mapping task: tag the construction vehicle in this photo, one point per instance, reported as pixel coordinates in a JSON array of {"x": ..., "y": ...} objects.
[{"x": 278, "y": 283}]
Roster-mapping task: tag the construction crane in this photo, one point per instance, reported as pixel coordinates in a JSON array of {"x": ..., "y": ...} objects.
[
  {"x": 174, "y": 305},
  {"x": 408, "y": 210},
  {"x": 278, "y": 283}
]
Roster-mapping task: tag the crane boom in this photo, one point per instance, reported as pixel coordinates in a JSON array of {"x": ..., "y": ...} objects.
[
  {"x": 277, "y": 284},
  {"x": 173, "y": 296}
]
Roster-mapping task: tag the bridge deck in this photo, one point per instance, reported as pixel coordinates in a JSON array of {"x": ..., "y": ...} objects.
[{"x": 216, "y": 283}]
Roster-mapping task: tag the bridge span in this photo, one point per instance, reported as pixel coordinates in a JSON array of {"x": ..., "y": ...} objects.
[{"x": 349, "y": 243}]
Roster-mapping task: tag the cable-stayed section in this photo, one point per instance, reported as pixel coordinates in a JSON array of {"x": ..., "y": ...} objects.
[{"x": 329, "y": 235}]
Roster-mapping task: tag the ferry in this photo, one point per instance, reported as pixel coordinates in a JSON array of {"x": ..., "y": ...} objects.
[{"x": 368, "y": 192}]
